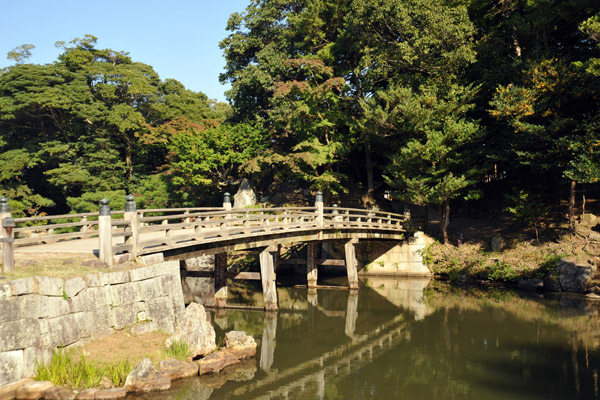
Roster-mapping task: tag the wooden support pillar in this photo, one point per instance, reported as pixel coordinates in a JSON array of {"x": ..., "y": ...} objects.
[
  {"x": 267, "y": 275},
  {"x": 131, "y": 216},
  {"x": 311, "y": 265},
  {"x": 105, "y": 251},
  {"x": 351, "y": 264},
  {"x": 321, "y": 385},
  {"x": 268, "y": 342},
  {"x": 7, "y": 235},
  {"x": 4, "y": 213},
  {"x": 351, "y": 313},
  {"x": 221, "y": 280}
]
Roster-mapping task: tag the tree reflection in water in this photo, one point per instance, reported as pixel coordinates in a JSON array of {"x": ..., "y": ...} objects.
[{"x": 412, "y": 339}]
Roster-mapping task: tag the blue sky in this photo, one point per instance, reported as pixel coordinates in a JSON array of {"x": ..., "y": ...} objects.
[{"x": 180, "y": 39}]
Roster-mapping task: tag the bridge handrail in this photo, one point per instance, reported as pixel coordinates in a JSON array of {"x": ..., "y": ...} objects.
[
  {"x": 375, "y": 213},
  {"x": 234, "y": 211},
  {"x": 155, "y": 210}
]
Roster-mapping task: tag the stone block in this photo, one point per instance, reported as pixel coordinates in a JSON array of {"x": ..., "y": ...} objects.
[
  {"x": 5, "y": 290},
  {"x": 57, "y": 306},
  {"x": 87, "y": 394},
  {"x": 151, "y": 259},
  {"x": 144, "y": 327},
  {"x": 58, "y": 393},
  {"x": 32, "y": 355},
  {"x": 9, "y": 391},
  {"x": 150, "y": 288},
  {"x": 215, "y": 362},
  {"x": 33, "y": 390},
  {"x": 589, "y": 219},
  {"x": 62, "y": 331},
  {"x": 34, "y": 306},
  {"x": 86, "y": 323},
  {"x": 240, "y": 344},
  {"x": 176, "y": 369},
  {"x": 198, "y": 290},
  {"x": 44, "y": 326},
  {"x": 94, "y": 280},
  {"x": 160, "y": 310},
  {"x": 74, "y": 286},
  {"x": 83, "y": 301},
  {"x": 145, "y": 378},
  {"x": 126, "y": 293},
  {"x": 115, "y": 278},
  {"x": 49, "y": 286},
  {"x": 10, "y": 309},
  {"x": 168, "y": 268},
  {"x": 103, "y": 320},
  {"x": 23, "y": 286},
  {"x": 20, "y": 334},
  {"x": 123, "y": 316},
  {"x": 123, "y": 258},
  {"x": 142, "y": 273},
  {"x": 202, "y": 263},
  {"x": 11, "y": 366}
]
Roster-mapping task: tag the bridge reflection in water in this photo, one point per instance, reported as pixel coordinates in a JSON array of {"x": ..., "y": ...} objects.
[
  {"x": 315, "y": 337},
  {"x": 407, "y": 339}
]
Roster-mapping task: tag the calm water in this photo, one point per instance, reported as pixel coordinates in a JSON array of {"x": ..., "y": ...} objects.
[{"x": 411, "y": 339}]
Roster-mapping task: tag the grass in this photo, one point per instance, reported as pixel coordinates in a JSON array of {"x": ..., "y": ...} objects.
[
  {"x": 179, "y": 350},
  {"x": 473, "y": 262},
  {"x": 73, "y": 372},
  {"x": 49, "y": 264},
  {"x": 86, "y": 366}
]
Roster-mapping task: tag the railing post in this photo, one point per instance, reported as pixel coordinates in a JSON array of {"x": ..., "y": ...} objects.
[
  {"x": 227, "y": 206},
  {"x": 319, "y": 205},
  {"x": 132, "y": 216},
  {"x": 85, "y": 227},
  {"x": 105, "y": 233},
  {"x": 7, "y": 225}
]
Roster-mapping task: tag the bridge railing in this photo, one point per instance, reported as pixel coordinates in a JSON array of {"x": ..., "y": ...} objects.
[
  {"x": 164, "y": 227},
  {"x": 225, "y": 224},
  {"x": 356, "y": 218}
]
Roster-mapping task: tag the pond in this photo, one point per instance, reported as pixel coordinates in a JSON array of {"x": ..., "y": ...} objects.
[{"x": 410, "y": 339}]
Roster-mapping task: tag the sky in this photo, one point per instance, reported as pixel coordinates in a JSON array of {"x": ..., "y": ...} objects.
[{"x": 178, "y": 38}]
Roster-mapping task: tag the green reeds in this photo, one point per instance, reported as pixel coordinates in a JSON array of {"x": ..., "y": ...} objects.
[
  {"x": 179, "y": 349},
  {"x": 64, "y": 370}
]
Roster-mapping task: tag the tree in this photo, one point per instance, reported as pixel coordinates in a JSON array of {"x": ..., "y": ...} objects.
[
  {"x": 90, "y": 122},
  {"x": 437, "y": 160},
  {"x": 204, "y": 160}
]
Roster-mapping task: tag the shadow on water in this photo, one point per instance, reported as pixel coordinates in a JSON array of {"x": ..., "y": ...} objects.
[{"x": 410, "y": 339}]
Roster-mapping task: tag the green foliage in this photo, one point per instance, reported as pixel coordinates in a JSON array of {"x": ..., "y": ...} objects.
[
  {"x": 200, "y": 159},
  {"x": 526, "y": 208},
  {"x": 63, "y": 370},
  {"x": 179, "y": 349},
  {"x": 89, "y": 202},
  {"x": 500, "y": 271},
  {"x": 118, "y": 372}
]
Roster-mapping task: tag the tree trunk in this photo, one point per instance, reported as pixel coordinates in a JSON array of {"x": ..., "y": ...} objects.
[
  {"x": 571, "y": 208},
  {"x": 128, "y": 158},
  {"x": 582, "y": 200},
  {"x": 369, "y": 166},
  {"x": 445, "y": 220}
]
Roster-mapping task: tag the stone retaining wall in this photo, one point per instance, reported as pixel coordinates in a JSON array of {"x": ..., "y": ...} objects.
[{"x": 39, "y": 314}]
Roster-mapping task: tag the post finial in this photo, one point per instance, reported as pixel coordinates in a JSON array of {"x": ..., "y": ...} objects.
[
  {"x": 4, "y": 206},
  {"x": 129, "y": 203},
  {"x": 319, "y": 197},
  {"x": 104, "y": 207},
  {"x": 226, "y": 197}
]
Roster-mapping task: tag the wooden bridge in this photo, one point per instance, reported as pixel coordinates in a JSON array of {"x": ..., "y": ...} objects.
[{"x": 183, "y": 233}]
